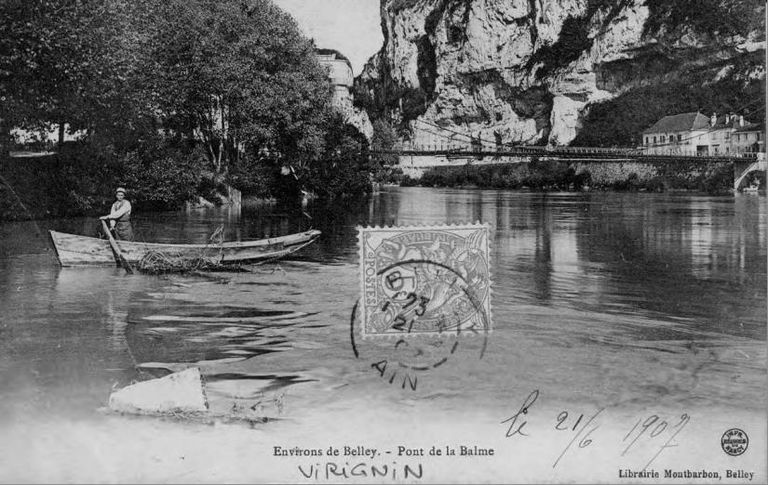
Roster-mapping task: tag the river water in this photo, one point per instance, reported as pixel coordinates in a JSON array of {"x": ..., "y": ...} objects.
[{"x": 618, "y": 307}]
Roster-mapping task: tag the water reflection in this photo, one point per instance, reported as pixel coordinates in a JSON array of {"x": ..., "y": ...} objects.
[
  {"x": 62, "y": 332},
  {"x": 672, "y": 274},
  {"x": 619, "y": 253}
]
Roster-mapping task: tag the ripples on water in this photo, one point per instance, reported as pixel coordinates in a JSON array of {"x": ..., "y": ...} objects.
[{"x": 587, "y": 287}]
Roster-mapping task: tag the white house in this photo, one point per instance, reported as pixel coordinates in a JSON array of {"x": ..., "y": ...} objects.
[
  {"x": 696, "y": 134},
  {"x": 748, "y": 139}
]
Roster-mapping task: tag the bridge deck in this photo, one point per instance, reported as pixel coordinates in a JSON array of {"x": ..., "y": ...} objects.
[{"x": 573, "y": 153}]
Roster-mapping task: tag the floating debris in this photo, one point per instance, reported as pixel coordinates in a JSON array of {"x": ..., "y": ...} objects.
[
  {"x": 182, "y": 396},
  {"x": 209, "y": 259},
  {"x": 180, "y": 392},
  {"x": 157, "y": 262}
]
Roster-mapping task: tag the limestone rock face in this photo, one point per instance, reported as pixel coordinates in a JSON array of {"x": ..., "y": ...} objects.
[
  {"x": 564, "y": 121},
  {"x": 356, "y": 117},
  {"x": 527, "y": 71}
]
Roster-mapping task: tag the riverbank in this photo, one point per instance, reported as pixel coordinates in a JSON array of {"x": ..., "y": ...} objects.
[
  {"x": 61, "y": 185},
  {"x": 80, "y": 180},
  {"x": 710, "y": 177},
  {"x": 51, "y": 185},
  {"x": 35, "y": 187}
]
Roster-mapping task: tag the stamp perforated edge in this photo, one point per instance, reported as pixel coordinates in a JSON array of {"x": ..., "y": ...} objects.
[{"x": 413, "y": 227}]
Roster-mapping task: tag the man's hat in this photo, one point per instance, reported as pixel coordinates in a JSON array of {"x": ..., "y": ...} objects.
[{"x": 120, "y": 189}]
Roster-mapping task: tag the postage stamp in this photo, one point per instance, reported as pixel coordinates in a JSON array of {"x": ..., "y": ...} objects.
[{"x": 424, "y": 280}]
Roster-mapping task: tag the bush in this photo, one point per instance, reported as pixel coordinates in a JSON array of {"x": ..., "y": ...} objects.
[
  {"x": 561, "y": 176},
  {"x": 656, "y": 184},
  {"x": 163, "y": 176},
  {"x": 81, "y": 179},
  {"x": 255, "y": 177},
  {"x": 389, "y": 175},
  {"x": 582, "y": 179},
  {"x": 384, "y": 139},
  {"x": 343, "y": 169}
]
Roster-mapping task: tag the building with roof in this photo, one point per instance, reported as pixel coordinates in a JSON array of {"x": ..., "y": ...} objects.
[
  {"x": 748, "y": 139},
  {"x": 696, "y": 134},
  {"x": 342, "y": 78},
  {"x": 339, "y": 72}
]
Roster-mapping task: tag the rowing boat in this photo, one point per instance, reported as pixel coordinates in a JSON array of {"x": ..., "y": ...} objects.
[{"x": 74, "y": 250}]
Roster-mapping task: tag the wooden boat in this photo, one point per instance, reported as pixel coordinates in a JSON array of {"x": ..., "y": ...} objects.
[{"x": 74, "y": 250}]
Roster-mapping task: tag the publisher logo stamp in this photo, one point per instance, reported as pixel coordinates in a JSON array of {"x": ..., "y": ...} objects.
[{"x": 734, "y": 442}]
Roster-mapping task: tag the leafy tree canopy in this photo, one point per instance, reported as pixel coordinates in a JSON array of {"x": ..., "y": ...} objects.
[
  {"x": 237, "y": 74},
  {"x": 240, "y": 75}
]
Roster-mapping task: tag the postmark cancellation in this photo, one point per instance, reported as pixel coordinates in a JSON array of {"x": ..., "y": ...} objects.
[{"x": 425, "y": 280}]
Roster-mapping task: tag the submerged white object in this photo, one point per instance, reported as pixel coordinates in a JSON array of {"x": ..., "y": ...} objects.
[{"x": 177, "y": 392}]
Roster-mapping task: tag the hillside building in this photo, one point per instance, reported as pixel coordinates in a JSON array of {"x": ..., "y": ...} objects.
[
  {"x": 693, "y": 134},
  {"x": 339, "y": 72},
  {"x": 749, "y": 139},
  {"x": 342, "y": 78}
]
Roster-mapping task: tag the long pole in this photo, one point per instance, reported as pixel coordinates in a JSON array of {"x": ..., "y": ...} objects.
[{"x": 116, "y": 249}]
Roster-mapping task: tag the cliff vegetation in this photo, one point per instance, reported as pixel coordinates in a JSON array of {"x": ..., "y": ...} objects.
[{"x": 560, "y": 72}]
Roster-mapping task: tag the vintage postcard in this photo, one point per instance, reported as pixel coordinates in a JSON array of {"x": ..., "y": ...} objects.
[{"x": 383, "y": 241}]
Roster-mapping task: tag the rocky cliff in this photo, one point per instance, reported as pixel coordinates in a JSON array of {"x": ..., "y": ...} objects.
[
  {"x": 355, "y": 116},
  {"x": 592, "y": 72}
]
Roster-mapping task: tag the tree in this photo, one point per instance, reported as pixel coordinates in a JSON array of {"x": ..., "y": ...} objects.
[
  {"x": 384, "y": 139},
  {"x": 341, "y": 169},
  {"x": 31, "y": 50},
  {"x": 151, "y": 80},
  {"x": 240, "y": 76},
  {"x": 68, "y": 61}
]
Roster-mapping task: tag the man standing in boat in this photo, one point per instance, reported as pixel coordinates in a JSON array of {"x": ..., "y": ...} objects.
[{"x": 120, "y": 217}]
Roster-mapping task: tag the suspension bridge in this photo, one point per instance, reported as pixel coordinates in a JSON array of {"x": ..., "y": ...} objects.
[{"x": 452, "y": 148}]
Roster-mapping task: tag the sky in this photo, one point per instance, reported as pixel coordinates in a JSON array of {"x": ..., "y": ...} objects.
[{"x": 352, "y": 27}]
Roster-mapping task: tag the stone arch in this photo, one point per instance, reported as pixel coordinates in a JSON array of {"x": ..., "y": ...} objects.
[{"x": 741, "y": 170}]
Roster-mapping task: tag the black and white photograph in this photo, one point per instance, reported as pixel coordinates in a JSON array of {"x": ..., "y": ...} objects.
[{"x": 383, "y": 241}]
